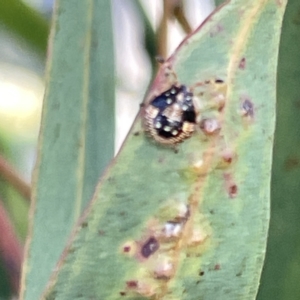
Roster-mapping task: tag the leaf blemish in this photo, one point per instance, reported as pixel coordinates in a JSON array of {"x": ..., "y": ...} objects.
[
  {"x": 126, "y": 249},
  {"x": 231, "y": 186},
  {"x": 228, "y": 156},
  {"x": 242, "y": 64},
  {"x": 132, "y": 284},
  {"x": 164, "y": 270},
  {"x": 210, "y": 126},
  {"x": 233, "y": 189},
  {"x": 150, "y": 247},
  {"x": 84, "y": 225},
  {"x": 219, "y": 81},
  {"x": 172, "y": 229},
  {"x": 143, "y": 288},
  {"x": 201, "y": 166},
  {"x": 247, "y": 108},
  {"x": 216, "y": 30},
  {"x": 198, "y": 237},
  {"x": 291, "y": 163},
  {"x": 129, "y": 248}
]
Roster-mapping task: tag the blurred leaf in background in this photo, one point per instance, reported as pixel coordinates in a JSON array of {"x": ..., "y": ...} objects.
[
  {"x": 281, "y": 274},
  {"x": 23, "y": 40}
]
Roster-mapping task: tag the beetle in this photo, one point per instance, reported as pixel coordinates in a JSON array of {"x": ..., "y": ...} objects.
[{"x": 170, "y": 117}]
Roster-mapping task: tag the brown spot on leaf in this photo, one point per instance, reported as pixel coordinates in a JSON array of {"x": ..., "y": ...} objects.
[
  {"x": 132, "y": 284},
  {"x": 129, "y": 248},
  {"x": 126, "y": 249},
  {"x": 231, "y": 187},
  {"x": 291, "y": 163},
  {"x": 84, "y": 225},
  {"x": 228, "y": 159},
  {"x": 122, "y": 293},
  {"x": 163, "y": 277},
  {"x": 242, "y": 64},
  {"x": 137, "y": 133},
  {"x": 149, "y": 247},
  {"x": 219, "y": 80},
  {"x": 201, "y": 273},
  {"x": 217, "y": 267},
  {"x": 228, "y": 156},
  {"x": 296, "y": 19}
]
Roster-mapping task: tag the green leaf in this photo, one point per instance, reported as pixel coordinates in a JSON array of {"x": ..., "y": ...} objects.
[
  {"x": 77, "y": 132},
  {"x": 191, "y": 222},
  {"x": 281, "y": 275},
  {"x": 25, "y": 22}
]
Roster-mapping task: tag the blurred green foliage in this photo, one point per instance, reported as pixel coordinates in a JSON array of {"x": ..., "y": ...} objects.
[
  {"x": 281, "y": 275},
  {"x": 76, "y": 140},
  {"x": 25, "y": 22},
  {"x": 32, "y": 28}
]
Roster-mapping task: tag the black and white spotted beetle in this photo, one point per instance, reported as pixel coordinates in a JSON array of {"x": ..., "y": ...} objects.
[{"x": 170, "y": 117}]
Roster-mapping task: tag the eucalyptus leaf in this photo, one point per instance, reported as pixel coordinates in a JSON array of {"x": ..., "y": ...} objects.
[
  {"x": 281, "y": 275},
  {"x": 77, "y": 132},
  {"x": 189, "y": 221}
]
